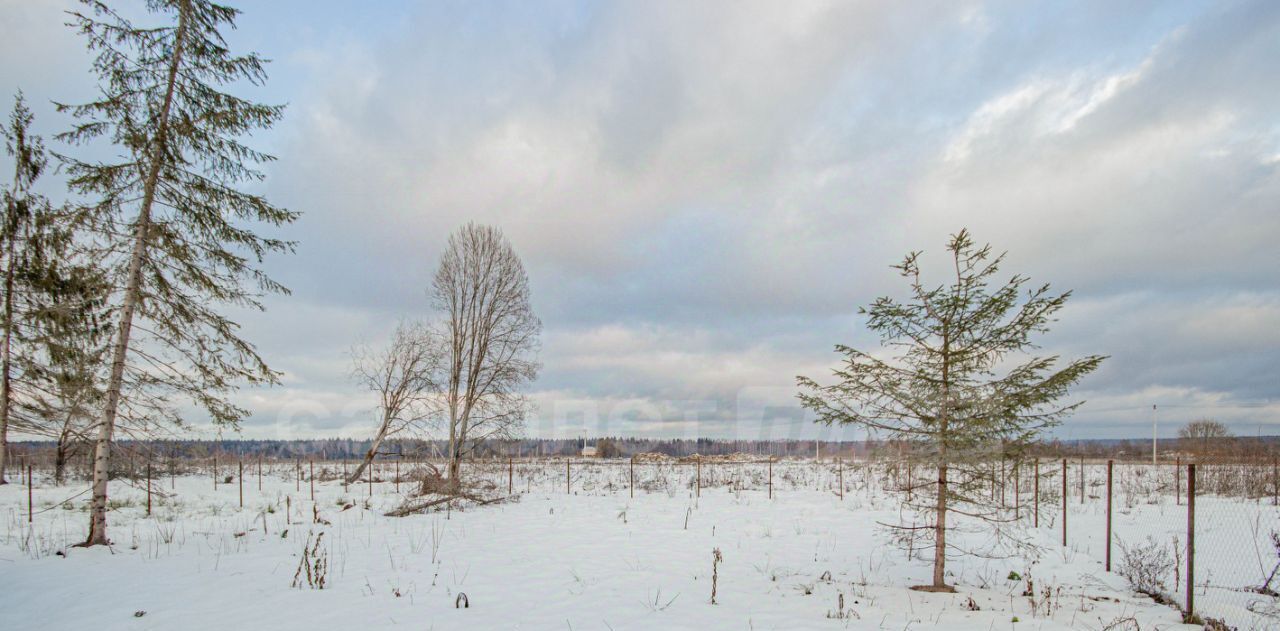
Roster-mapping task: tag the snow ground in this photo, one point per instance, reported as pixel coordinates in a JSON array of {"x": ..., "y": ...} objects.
[{"x": 594, "y": 559}]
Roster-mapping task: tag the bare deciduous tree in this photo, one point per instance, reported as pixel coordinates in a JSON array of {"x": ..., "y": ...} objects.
[
  {"x": 490, "y": 335},
  {"x": 403, "y": 375},
  {"x": 1203, "y": 433}
]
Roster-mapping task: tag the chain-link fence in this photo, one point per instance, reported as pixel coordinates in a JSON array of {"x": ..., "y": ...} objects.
[
  {"x": 1203, "y": 535},
  {"x": 1198, "y": 532}
]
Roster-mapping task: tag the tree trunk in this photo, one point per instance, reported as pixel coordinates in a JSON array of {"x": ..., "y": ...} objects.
[
  {"x": 60, "y": 462},
  {"x": 940, "y": 525},
  {"x": 6, "y": 394},
  {"x": 940, "y": 532},
  {"x": 457, "y": 438},
  {"x": 453, "y": 443},
  {"x": 373, "y": 451},
  {"x": 132, "y": 294},
  {"x": 455, "y": 465}
]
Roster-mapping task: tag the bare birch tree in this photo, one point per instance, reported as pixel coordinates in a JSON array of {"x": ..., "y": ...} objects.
[
  {"x": 403, "y": 375},
  {"x": 490, "y": 336}
]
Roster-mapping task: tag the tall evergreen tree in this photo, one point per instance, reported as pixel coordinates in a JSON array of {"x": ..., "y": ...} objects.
[
  {"x": 952, "y": 391},
  {"x": 66, "y": 340},
  {"x": 21, "y": 208},
  {"x": 173, "y": 221}
]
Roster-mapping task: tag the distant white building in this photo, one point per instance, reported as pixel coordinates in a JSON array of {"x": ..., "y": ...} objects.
[{"x": 587, "y": 451}]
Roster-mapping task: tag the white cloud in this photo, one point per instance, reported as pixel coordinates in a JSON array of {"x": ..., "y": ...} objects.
[{"x": 703, "y": 194}]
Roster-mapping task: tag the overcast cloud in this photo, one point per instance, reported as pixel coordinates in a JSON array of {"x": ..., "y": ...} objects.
[{"x": 704, "y": 193}]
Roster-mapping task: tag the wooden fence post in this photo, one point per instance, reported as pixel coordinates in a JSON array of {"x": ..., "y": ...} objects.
[
  {"x": 1110, "y": 466},
  {"x": 369, "y": 473},
  {"x": 148, "y": 489},
  {"x": 241, "y": 483},
  {"x": 1191, "y": 538},
  {"x": 30, "y": 502},
  {"x": 1064, "y": 502},
  {"x": 566, "y": 477},
  {"x": 259, "y": 472},
  {"x": 215, "y": 471},
  {"x": 312, "y": 478},
  {"x": 632, "y": 485},
  {"x": 840, "y": 471},
  {"x": 699, "y": 488},
  {"x": 397, "y": 480},
  {"x": 770, "y": 477},
  {"x": 297, "y": 475}
]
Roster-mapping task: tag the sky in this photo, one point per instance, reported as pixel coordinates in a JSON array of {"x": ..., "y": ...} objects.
[{"x": 703, "y": 194}]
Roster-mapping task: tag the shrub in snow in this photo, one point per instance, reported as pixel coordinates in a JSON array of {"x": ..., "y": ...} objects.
[{"x": 1146, "y": 566}]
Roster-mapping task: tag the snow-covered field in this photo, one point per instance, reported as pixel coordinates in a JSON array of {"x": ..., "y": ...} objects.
[{"x": 593, "y": 559}]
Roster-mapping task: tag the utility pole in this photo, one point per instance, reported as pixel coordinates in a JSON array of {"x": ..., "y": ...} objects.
[{"x": 1153, "y": 434}]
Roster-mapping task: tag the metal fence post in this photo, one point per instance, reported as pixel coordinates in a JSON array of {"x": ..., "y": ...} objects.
[
  {"x": 840, "y": 469},
  {"x": 1081, "y": 480},
  {"x": 1064, "y": 502},
  {"x": 993, "y": 482},
  {"x": 1004, "y": 479},
  {"x": 1017, "y": 493},
  {"x": 1191, "y": 538},
  {"x": 1110, "y": 465}
]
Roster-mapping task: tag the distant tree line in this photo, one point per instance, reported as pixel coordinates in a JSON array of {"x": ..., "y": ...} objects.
[{"x": 1245, "y": 449}]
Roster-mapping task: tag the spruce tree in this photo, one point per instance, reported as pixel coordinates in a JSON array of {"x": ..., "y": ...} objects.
[
  {"x": 954, "y": 391},
  {"x": 177, "y": 228},
  {"x": 66, "y": 338},
  {"x": 22, "y": 207}
]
